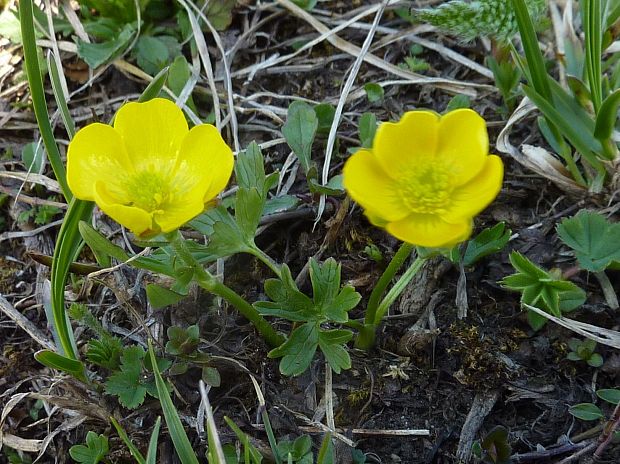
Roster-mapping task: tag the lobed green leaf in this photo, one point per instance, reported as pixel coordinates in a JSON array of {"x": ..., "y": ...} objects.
[{"x": 595, "y": 241}]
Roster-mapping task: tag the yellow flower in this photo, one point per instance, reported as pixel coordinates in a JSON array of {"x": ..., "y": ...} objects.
[
  {"x": 149, "y": 172},
  {"x": 426, "y": 177}
]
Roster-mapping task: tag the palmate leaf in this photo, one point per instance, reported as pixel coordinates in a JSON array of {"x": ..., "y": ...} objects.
[
  {"x": 542, "y": 289},
  {"x": 330, "y": 304},
  {"x": 297, "y": 352},
  {"x": 127, "y": 387},
  {"x": 230, "y": 234},
  {"x": 126, "y": 383},
  {"x": 595, "y": 241},
  {"x": 288, "y": 302}
]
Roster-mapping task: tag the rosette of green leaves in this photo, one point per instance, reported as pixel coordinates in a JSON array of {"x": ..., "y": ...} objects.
[{"x": 542, "y": 289}]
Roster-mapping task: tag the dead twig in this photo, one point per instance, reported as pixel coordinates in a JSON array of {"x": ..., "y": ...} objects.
[{"x": 481, "y": 407}]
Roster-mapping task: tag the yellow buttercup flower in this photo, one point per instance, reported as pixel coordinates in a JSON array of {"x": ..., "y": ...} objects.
[
  {"x": 149, "y": 172},
  {"x": 426, "y": 177}
]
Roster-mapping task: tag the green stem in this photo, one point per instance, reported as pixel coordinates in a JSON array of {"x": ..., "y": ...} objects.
[
  {"x": 608, "y": 289},
  {"x": 397, "y": 261},
  {"x": 207, "y": 281},
  {"x": 398, "y": 288},
  {"x": 266, "y": 259},
  {"x": 366, "y": 334},
  {"x": 38, "y": 95}
]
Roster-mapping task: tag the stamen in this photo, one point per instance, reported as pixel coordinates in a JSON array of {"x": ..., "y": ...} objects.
[
  {"x": 148, "y": 190},
  {"x": 426, "y": 189}
]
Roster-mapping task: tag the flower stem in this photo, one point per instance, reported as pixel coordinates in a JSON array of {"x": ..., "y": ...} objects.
[
  {"x": 398, "y": 288},
  {"x": 366, "y": 336},
  {"x": 395, "y": 264},
  {"x": 207, "y": 281},
  {"x": 266, "y": 259}
]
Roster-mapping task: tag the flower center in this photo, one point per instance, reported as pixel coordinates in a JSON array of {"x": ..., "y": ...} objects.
[
  {"x": 148, "y": 190},
  {"x": 426, "y": 189}
]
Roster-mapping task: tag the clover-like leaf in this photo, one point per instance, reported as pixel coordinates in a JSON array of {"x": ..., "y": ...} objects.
[
  {"x": 93, "y": 452},
  {"x": 595, "y": 241},
  {"x": 298, "y": 451},
  {"x": 220, "y": 12},
  {"x": 182, "y": 341},
  {"x": 96, "y": 54},
  {"x": 542, "y": 289}
]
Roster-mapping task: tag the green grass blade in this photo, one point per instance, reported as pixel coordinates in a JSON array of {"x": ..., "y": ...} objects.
[
  {"x": 68, "y": 245},
  {"x": 61, "y": 363},
  {"x": 216, "y": 452},
  {"x": 179, "y": 438},
  {"x": 270, "y": 435},
  {"x": 571, "y": 127},
  {"x": 135, "y": 452},
  {"x": 535, "y": 61},
  {"x": 152, "y": 90},
  {"x": 607, "y": 116},
  {"x": 592, "y": 19},
  {"x": 151, "y": 454},
  {"x": 326, "y": 452},
  {"x": 35, "y": 83},
  {"x": 56, "y": 79},
  {"x": 565, "y": 103},
  {"x": 613, "y": 14}
]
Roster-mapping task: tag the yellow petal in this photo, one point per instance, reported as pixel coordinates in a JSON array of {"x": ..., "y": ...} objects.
[
  {"x": 152, "y": 132},
  {"x": 369, "y": 185},
  {"x": 430, "y": 231},
  {"x": 135, "y": 219},
  {"x": 204, "y": 165},
  {"x": 470, "y": 199},
  {"x": 96, "y": 153},
  {"x": 463, "y": 144},
  {"x": 401, "y": 146},
  {"x": 174, "y": 215}
]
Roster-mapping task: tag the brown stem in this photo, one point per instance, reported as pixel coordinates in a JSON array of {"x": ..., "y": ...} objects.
[{"x": 608, "y": 432}]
